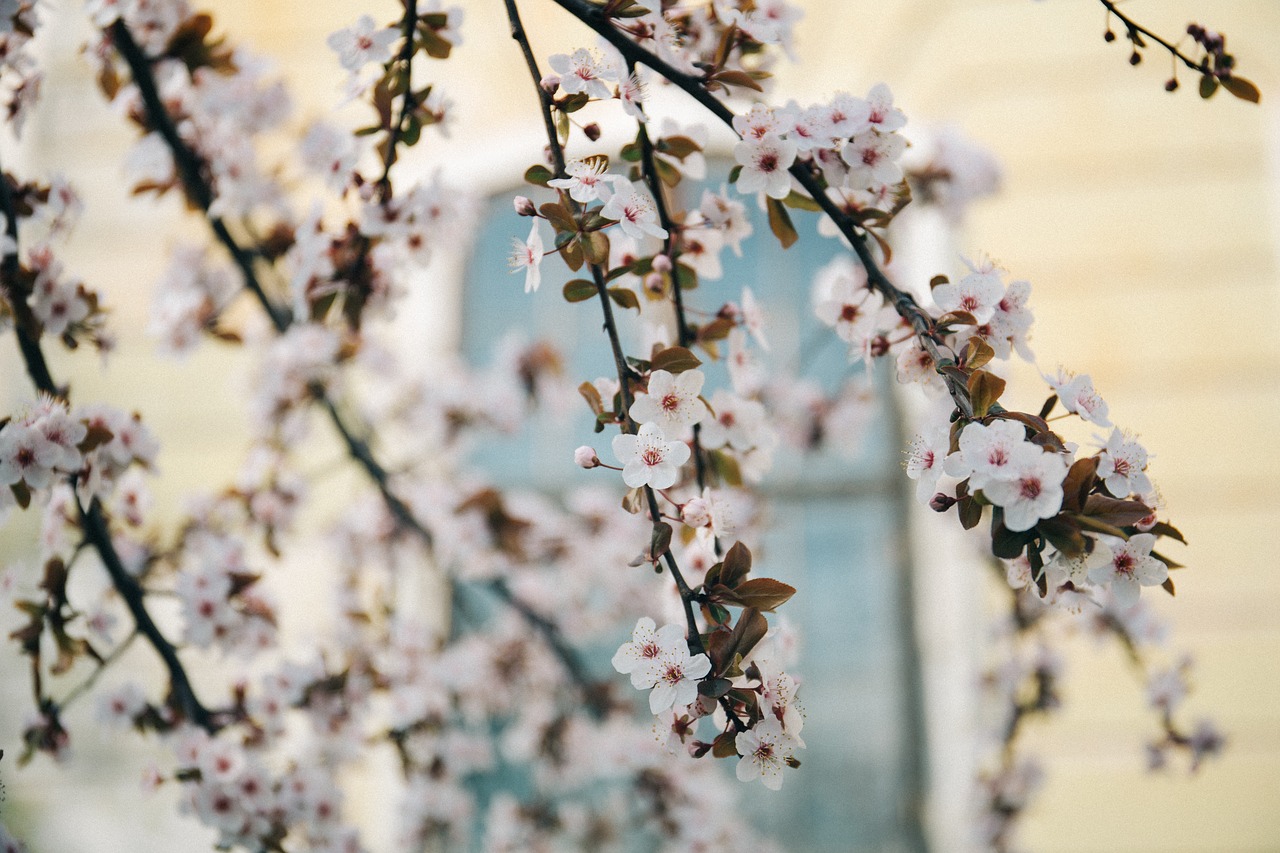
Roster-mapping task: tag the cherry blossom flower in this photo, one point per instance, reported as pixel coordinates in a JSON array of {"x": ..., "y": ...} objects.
[
  {"x": 583, "y": 72},
  {"x": 738, "y": 422},
  {"x": 585, "y": 180},
  {"x": 27, "y": 456},
  {"x": 362, "y": 43},
  {"x": 1130, "y": 568},
  {"x": 765, "y": 162},
  {"x": 1034, "y": 491},
  {"x": 118, "y": 708},
  {"x": 1077, "y": 569},
  {"x": 648, "y": 460},
  {"x": 848, "y": 115},
  {"x": 674, "y": 675},
  {"x": 634, "y": 211},
  {"x": 986, "y": 453},
  {"x": 585, "y": 457},
  {"x": 759, "y": 122},
  {"x": 873, "y": 159},
  {"x": 978, "y": 293},
  {"x": 671, "y": 402},
  {"x": 648, "y": 644},
  {"x": 765, "y": 749},
  {"x": 925, "y": 461},
  {"x": 728, "y": 216},
  {"x": 527, "y": 256},
  {"x": 1121, "y": 464},
  {"x": 752, "y": 315},
  {"x": 883, "y": 116},
  {"x": 1078, "y": 396}
]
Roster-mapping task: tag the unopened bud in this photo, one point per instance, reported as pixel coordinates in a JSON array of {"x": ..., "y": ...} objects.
[
  {"x": 549, "y": 84},
  {"x": 695, "y": 513},
  {"x": 653, "y": 283},
  {"x": 524, "y": 206},
  {"x": 592, "y": 131},
  {"x": 585, "y": 457},
  {"x": 1171, "y": 85},
  {"x": 941, "y": 502},
  {"x": 1108, "y": 36},
  {"x": 661, "y": 263},
  {"x": 697, "y": 748},
  {"x": 1135, "y": 58}
]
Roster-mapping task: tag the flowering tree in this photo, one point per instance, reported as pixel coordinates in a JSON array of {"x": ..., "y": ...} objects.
[{"x": 260, "y": 757}]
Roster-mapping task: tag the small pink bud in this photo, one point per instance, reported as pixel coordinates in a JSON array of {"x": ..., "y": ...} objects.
[
  {"x": 550, "y": 83},
  {"x": 653, "y": 283},
  {"x": 941, "y": 502},
  {"x": 695, "y": 513},
  {"x": 524, "y": 206},
  {"x": 661, "y": 263},
  {"x": 585, "y": 457}
]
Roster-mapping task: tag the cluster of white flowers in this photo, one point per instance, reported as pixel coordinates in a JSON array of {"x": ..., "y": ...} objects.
[{"x": 853, "y": 140}]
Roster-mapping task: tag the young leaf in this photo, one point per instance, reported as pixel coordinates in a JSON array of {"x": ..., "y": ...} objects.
[
  {"x": 763, "y": 593},
  {"x": 780, "y": 223},
  {"x": 1242, "y": 89},
  {"x": 579, "y": 290},
  {"x": 674, "y": 360}
]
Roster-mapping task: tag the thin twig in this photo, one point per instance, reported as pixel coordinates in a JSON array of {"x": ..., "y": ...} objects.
[
  {"x": 199, "y": 190},
  {"x": 91, "y": 520}
]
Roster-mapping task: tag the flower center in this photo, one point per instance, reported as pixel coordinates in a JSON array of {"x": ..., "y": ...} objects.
[
  {"x": 651, "y": 456},
  {"x": 670, "y": 403},
  {"x": 1031, "y": 488}
]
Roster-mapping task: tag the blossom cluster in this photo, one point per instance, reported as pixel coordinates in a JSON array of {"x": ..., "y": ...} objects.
[{"x": 262, "y": 757}]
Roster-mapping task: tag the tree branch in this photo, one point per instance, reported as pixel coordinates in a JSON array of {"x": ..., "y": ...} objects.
[{"x": 198, "y": 188}]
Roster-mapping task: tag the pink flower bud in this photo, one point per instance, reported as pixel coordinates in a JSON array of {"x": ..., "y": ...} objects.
[
  {"x": 524, "y": 206},
  {"x": 941, "y": 503},
  {"x": 586, "y": 457},
  {"x": 695, "y": 513},
  {"x": 661, "y": 263},
  {"x": 550, "y": 83}
]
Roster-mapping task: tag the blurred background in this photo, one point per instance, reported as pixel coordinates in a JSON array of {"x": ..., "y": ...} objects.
[{"x": 1148, "y": 224}]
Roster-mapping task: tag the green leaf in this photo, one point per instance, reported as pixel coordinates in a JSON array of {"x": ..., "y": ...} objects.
[
  {"x": 977, "y": 353},
  {"x": 679, "y": 147},
  {"x": 1242, "y": 89},
  {"x": 559, "y": 217},
  {"x": 595, "y": 245},
  {"x": 625, "y": 297},
  {"x": 579, "y": 290},
  {"x": 725, "y": 467},
  {"x": 675, "y": 360},
  {"x": 538, "y": 175},
  {"x": 660, "y": 541},
  {"x": 1208, "y": 86},
  {"x": 573, "y": 103},
  {"x": 780, "y": 223},
  {"x": 686, "y": 277},
  {"x": 572, "y": 254},
  {"x": 801, "y": 202},
  {"x": 714, "y": 687}
]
